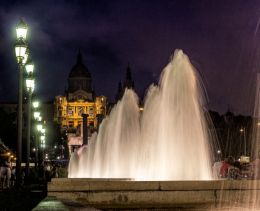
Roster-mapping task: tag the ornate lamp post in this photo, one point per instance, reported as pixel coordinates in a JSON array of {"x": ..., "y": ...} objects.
[
  {"x": 29, "y": 67},
  {"x": 21, "y": 29},
  {"x": 36, "y": 105},
  {"x": 20, "y": 52},
  {"x": 41, "y": 135},
  {"x": 43, "y": 143},
  {"x": 37, "y": 116}
]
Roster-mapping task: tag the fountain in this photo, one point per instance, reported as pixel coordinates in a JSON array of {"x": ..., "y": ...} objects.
[
  {"x": 169, "y": 141},
  {"x": 160, "y": 158}
]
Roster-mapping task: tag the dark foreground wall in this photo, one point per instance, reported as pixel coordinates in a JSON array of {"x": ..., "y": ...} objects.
[{"x": 182, "y": 195}]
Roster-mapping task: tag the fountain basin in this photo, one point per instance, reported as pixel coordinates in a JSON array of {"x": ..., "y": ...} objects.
[{"x": 129, "y": 194}]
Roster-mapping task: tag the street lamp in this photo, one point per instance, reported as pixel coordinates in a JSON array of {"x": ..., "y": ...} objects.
[
  {"x": 42, "y": 139},
  {"x": 37, "y": 117},
  {"x": 39, "y": 127},
  {"x": 20, "y": 51},
  {"x": 30, "y": 85},
  {"x": 26, "y": 55},
  {"x": 35, "y": 104},
  {"x": 43, "y": 131},
  {"x": 29, "y": 67},
  {"x": 21, "y": 29}
]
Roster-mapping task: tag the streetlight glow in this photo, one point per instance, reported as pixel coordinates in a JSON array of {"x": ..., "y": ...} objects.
[
  {"x": 36, "y": 115},
  {"x": 30, "y": 84},
  {"x": 36, "y": 104},
  {"x": 20, "y": 49},
  {"x": 21, "y": 29},
  {"x": 26, "y": 55},
  {"x": 29, "y": 67},
  {"x": 42, "y": 138},
  {"x": 39, "y": 127},
  {"x": 43, "y": 130}
]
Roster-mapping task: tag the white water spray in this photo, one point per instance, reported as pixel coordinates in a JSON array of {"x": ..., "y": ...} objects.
[{"x": 168, "y": 141}]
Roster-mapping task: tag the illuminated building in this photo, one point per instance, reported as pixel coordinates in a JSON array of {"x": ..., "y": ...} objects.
[{"x": 79, "y": 99}]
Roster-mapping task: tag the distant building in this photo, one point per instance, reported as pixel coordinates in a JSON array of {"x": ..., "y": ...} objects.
[{"x": 79, "y": 99}]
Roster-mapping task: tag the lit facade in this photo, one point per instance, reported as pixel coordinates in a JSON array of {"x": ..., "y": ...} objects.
[
  {"x": 68, "y": 113},
  {"x": 79, "y": 99}
]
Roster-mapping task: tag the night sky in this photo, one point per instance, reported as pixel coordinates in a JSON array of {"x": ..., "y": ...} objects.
[{"x": 221, "y": 38}]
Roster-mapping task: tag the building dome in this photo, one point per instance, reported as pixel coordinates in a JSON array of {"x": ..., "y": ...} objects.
[
  {"x": 79, "y": 77},
  {"x": 79, "y": 70}
]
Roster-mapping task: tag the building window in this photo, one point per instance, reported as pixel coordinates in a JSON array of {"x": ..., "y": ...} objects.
[
  {"x": 80, "y": 110},
  {"x": 91, "y": 111},
  {"x": 70, "y": 111}
]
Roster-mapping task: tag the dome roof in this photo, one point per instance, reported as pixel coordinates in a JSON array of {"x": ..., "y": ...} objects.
[{"x": 79, "y": 70}]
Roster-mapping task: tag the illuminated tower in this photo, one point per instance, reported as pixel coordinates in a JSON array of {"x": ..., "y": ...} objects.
[{"x": 128, "y": 83}]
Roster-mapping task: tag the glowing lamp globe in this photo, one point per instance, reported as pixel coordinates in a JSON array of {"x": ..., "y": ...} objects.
[
  {"x": 43, "y": 130},
  {"x": 29, "y": 67},
  {"x": 42, "y": 138},
  {"x": 36, "y": 115},
  {"x": 30, "y": 84},
  {"x": 20, "y": 49},
  {"x": 21, "y": 29},
  {"x": 39, "y": 127},
  {"x": 26, "y": 55},
  {"x": 36, "y": 105}
]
